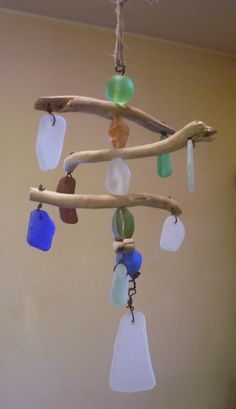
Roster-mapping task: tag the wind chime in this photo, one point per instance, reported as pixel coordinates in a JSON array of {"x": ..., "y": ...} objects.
[{"x": 131, "y": 368}]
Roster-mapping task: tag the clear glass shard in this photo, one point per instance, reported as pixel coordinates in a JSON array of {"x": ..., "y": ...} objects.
[
  {"x": 118, "y": 177},
  {"x": 131, "y": 368},
  {"x": 190, "y": 166},
  {"x": 120, "y": 285},
  {"x": 50, "y": 140},
  {"x": 172, "y": 234}
]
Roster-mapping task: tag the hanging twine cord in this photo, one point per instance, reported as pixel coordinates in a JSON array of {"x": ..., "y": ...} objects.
[
  {"x": 120, "y": 65},
  {"x": 119, "y": 46}
]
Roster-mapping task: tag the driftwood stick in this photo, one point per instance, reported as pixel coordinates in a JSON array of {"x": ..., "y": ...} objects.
[
  {"x": 197, "y": 131},
  {"x": 102, "y": 108},
  {"x": 104, "y": 201}
]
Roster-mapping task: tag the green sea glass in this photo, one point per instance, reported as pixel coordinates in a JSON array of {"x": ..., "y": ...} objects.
[
  {"x": 119, "y": 89},
  {"x": 123, "y": 223},
  {"x": 164, "y": 165}
]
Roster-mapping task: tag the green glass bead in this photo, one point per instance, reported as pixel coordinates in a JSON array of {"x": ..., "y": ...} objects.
[
  {"x": 164, "y": 165},
  {"x": 119, "y": 89},
  {"x": 123, "y": 223}
]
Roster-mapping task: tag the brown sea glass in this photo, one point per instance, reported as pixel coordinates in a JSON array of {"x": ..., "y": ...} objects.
[
  {"x": 67, "y": 185},
  {"x": 118, "y": 133}
]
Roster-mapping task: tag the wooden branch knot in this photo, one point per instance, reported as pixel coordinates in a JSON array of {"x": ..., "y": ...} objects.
[{"x": 123, "y": 246}]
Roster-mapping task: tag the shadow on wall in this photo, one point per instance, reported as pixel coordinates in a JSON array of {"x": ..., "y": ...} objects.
[{"x": 231, "y": 400}]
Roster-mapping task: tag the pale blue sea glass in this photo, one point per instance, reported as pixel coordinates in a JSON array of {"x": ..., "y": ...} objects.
[
  {"x": 190, "y": 166},
  {"x": 50, "y": 140},
  {"x": 172, "y": 235},
  {"x": 131, "y": 368},
  {"x": 120, "y": 285},
  {"x": 118, "y": 177}
]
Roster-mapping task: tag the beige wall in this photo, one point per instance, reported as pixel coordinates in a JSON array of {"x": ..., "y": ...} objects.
[{"x": 57, "y": 326}]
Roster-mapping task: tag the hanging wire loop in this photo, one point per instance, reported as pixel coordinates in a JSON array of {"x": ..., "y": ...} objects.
[
  {"x": 131, "y": 294},
  {"x": 49, "y": 111},
  {"x": 194, "y": 145},
  {"x": 40, "y": 205},
  {"x": 173, "y": 213},
  {"x": 120, "y": 65}
]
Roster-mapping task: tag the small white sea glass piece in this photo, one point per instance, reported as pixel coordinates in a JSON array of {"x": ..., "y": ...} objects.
[
  {"x": 190, "y": 166},
  {"x": 120, "y": 286},
  {"x": 50, "y": 140},
  {"x": 172, "y": 234},
  {"x": 131, "y": 368},
  {"x": 118, "y": 177}
]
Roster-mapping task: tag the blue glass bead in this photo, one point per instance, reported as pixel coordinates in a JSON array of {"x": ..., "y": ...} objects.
[
  {"x": 119, "y": 89},
  {"x": 41, "y": 230},
  {"x": 132, "y": 261}
]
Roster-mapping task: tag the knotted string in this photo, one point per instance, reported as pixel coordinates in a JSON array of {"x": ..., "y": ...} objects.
[
  {"x": 120, "y": 65},
  {"x": 119, "y": 46}
]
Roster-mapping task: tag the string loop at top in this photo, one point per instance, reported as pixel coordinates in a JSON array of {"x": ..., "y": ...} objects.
[{"x": 120, "y": 65}]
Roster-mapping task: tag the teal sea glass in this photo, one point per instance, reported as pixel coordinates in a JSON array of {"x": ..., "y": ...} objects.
[
  {"x": 123, "y": 223},
  {"x": 119, "y": 89},
  {"x": 164, "y": 165},
  {"x": 120, "y": 286}
]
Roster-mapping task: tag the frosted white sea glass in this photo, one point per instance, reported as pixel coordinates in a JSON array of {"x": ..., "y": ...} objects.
[
  {"x": 131, "y": 368},
  {"x": 118, "y": 177},
  {"x": 50, "y": 140},
  {"x": 120, "y": 285},
  {"x": 190, "y": 166},
  {"x": 172, "y": 234}
]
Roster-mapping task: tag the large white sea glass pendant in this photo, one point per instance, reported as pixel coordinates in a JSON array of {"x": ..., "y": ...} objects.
[
  {"x": 118, "y": 177},
  {"x": 172, "y": 234},
  {"x": 50, "y": 140},
  {"x": 190, "y": 166},
  {"x": 131, "y": 368},
  {"x": 120, "y": 286}
]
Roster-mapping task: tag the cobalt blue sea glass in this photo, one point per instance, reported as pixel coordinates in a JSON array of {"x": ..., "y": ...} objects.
[
  {"x": 41, "y": 230},
  {"x": 132, "y": 261}
]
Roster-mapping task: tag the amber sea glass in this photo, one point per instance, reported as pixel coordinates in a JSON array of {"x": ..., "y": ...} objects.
[{"x": 118, "y": 133}]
